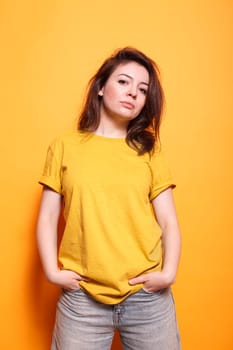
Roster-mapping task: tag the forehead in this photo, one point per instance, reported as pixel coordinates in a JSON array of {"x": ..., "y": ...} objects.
[{"x": 132, "y": 69}]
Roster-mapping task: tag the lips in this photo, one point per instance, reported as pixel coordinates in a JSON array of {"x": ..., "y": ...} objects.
[{"x": 127, "y": 104}]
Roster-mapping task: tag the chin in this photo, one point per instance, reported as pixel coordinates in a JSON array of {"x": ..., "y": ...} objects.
[{"x": 127, "y": 116}]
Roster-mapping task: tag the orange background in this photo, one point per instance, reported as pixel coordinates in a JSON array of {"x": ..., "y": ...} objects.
[{"x": 49, "y": 50}]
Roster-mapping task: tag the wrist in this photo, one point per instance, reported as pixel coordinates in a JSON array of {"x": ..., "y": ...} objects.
[
  {"x": 51, "y": 275},
  {"x": 170, "y": 277}
]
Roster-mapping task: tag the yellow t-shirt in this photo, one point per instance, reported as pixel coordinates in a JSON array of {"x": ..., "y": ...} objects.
[{"x": 111, "y": 234}]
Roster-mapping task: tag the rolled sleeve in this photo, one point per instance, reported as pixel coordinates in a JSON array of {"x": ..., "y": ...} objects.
[
  {"x": 161, "y": 175},
  {"x": 52, "y": 173}
]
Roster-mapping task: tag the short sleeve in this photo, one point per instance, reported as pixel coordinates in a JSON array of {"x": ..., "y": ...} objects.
[
  {"x": 161, "y": 175},
  {"x": 51, "y": 175}
]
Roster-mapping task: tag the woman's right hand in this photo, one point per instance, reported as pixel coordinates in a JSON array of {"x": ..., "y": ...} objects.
[{"x": 66, "y": 279}]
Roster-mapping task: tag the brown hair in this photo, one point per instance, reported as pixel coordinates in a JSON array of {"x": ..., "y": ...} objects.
[{"x": 142, "y": 131}]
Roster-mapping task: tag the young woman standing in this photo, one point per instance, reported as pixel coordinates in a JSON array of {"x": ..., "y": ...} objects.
[{"x": 120, "y": 248}]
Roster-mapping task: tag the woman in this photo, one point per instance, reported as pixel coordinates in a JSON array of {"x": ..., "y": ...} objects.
[{"x": 121, "y": 243}]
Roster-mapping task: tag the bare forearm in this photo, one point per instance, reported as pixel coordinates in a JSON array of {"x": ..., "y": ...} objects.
[
  {"x": 47, "y": 242},
  {"x": 47, "y": 230},
  {"x": 47, "y": 246},
  {"x": 171, "y": 251},
  {"x": 171, "y": 238}
]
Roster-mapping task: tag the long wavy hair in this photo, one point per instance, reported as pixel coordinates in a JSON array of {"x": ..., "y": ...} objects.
[{"x": 142, "y": 131}]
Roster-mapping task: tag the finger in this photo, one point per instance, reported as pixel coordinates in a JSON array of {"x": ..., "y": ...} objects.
[
  {"x": 76, "y": 276},
  {"x": 137, "y": 280},
  {"x": 74, "y": 285},
  {"x": 80, "y": 278},
  {"x": 86, "y": 279}
]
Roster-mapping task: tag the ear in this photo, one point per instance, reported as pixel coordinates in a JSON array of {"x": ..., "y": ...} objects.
[{"x": 101, "y": 92}]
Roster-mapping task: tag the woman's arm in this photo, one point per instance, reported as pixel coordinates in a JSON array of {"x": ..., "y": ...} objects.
[
  {"x": 49, "y": 213},
  {"x": 166, "y": 216}
]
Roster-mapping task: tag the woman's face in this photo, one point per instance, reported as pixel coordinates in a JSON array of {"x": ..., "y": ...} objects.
[{"x": 124, "y": 93}]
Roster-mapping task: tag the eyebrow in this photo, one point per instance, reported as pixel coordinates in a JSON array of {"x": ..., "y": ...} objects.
[{"x": 128, "y": 76}]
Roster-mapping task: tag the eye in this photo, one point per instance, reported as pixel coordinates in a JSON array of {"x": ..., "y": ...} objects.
[
  {"x": 144, "y": 91},
  {"x": 122, "y": 81}
]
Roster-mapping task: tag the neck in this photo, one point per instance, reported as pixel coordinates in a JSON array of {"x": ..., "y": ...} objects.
[{"x": 111, "y": 127}]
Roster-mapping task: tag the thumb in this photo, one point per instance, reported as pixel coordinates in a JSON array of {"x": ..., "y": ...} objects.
[
  {"x": 80, "y": 278},
  {"x": 76, "y": 276},
  {"x": 137, "y": 280}
]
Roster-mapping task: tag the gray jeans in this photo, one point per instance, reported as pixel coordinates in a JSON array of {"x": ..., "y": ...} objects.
[{"x": 145, "y": 321}]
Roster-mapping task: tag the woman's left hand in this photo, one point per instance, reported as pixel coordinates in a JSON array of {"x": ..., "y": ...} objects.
[{"x": 153, "y": 281}]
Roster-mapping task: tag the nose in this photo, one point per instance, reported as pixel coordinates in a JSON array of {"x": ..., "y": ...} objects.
[{"x": 132, "y": 92}]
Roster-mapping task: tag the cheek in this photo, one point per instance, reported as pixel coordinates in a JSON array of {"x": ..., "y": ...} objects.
[
  {"x": 110, "y": 95},
  {"x": 142, "y": 102}
]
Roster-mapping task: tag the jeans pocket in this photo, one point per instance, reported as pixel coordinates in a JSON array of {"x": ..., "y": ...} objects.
[
  {"x": 157, "y": 292},
  {"x": 147, "y": 291},
  {"x": 78, "y": 290}
]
